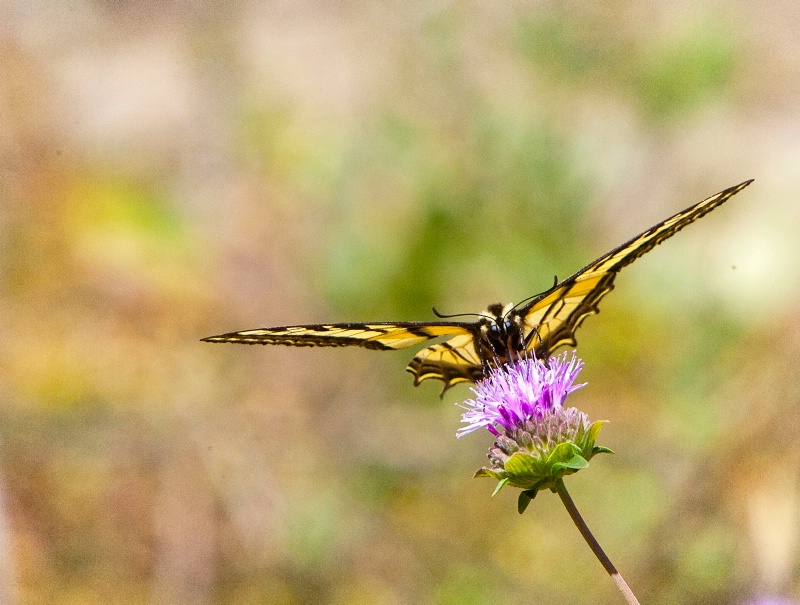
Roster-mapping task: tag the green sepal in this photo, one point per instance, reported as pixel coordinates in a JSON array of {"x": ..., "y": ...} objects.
[
  {"x": 488, "y": 472},
  {"x": 562, "y": 453},
  {"x": 574, "y": 464},
  {"x": 594, "y": 431},
  {"x": 500, "y": 485},
  {"x": 590, "y": 437},
  {"x": 524, "y": 470},
  {"x": 525, "y": 499}
]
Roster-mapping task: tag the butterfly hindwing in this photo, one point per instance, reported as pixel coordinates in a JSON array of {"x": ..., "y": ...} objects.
[
  {"x": 452, "y": 361},
  {"x": 551, "y": 318}
]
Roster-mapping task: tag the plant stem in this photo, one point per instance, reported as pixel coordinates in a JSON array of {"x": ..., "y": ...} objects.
[{"x": 598, "y": 552}]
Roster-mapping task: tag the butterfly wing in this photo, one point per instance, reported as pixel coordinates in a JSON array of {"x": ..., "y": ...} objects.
[
  {"x": 551, "y": 318},
  {"x": 452, "y": 361},
  {"x": 455, "y": 360},
  {"x": 380, "y": 336}
]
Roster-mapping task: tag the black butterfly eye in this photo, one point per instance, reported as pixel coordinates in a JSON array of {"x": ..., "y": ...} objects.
[{"x": 494, "y": 329}]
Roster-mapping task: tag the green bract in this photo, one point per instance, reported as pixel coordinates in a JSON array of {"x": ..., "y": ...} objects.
[{"x": 536, "y": 456}]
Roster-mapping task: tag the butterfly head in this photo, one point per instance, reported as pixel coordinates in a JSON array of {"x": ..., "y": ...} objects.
[{"x": 501, "y": 333}]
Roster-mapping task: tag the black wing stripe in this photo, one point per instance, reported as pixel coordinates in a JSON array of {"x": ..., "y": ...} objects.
[{"x": 305, "y": 341}]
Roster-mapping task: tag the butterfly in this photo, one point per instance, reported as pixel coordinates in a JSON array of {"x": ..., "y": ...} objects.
[{"x": 539, "y": 324}]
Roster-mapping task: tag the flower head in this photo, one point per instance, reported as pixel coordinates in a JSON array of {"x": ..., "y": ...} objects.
[
  {"x": 519, "y": 392},
  {"x": 539, "y": 441}
]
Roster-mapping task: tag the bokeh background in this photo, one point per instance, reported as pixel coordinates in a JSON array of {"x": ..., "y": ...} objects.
[{"x": 172, "y": 170}]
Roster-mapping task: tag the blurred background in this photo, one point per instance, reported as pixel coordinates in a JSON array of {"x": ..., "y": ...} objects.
[{"x": 173, "y": 170}]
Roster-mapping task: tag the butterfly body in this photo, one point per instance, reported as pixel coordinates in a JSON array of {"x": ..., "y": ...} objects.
[
  {"x": 540, "y": 324},
  {"x": 501, "y": 333}
]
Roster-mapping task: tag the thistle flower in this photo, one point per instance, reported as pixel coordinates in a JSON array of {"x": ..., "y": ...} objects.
[{"x": 538, "y": 440}]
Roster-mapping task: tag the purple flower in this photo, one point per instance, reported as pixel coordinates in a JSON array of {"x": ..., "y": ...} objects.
[
  {"x": 519, "y": 392},
  {"x": 537, "y": 440}
]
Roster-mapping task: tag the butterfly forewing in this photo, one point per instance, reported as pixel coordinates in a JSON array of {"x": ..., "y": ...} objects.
[
  {"x": 381, "y": 336},
  {"x": 551, "y": 318}
]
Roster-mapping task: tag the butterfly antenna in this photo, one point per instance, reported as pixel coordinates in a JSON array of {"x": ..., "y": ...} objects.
[
  {"x": 522, "y": 302},
  {"x": 443, "y": 316}
]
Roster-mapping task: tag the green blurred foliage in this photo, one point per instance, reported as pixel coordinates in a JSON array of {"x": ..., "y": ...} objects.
[
  {"x": 511, "y": 195},
  {"x": 668, "y": 77}
]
